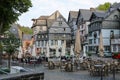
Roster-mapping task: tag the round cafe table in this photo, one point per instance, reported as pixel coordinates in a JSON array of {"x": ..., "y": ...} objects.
[{"x": 99, "y": 70}]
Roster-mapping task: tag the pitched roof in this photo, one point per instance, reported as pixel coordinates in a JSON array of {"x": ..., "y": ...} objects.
[
  {"x": 73, "y": 14},
  {"x": 86, "y": 13},
  {"x": 100, "y": 14},
  {"x": 116, "y": 5},
  {"x": 43, "y": 17},
  {"x": 54, "y": 16}
]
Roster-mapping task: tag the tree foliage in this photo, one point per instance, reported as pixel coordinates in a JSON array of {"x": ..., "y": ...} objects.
[
  {"x": 10, "y": 10},
  {"x": 104, "y": 6},
  {"x": 26, "y": 30},
  {"x": 10, "y": 46},
  {"x": 11, "y": 43}
]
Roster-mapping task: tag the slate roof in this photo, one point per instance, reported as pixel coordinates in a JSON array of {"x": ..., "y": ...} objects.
[
  {"x": 53, "y": 17},
  {"x": 112, "y": 8},
  {"x": 116, "y": 5},
  {"x": 27, "y": 37},
  {"x": 48, "y": 20},
  {"x": 85, "y": 13},
  {"x": 100, "y": 14},
  {"x": 73, "y": 14},
  {"x": 103, "y": 14}
]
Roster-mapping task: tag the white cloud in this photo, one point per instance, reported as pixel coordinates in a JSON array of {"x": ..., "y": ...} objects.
[{"x": 47, "y": 7}]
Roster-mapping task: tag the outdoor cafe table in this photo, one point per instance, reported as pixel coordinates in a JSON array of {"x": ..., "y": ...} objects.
[{"x": 99, "y": 69}]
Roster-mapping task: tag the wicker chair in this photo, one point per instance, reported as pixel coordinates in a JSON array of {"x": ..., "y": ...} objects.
[
  {"x": 69, "y": 67},
  {"x": 62, "y": 66},
  {"x": 84, "y": 65},
  {"x": 51, "y": 65},
  {"x": 91, "y": 70},
  {"x": 105, "y": 70}
]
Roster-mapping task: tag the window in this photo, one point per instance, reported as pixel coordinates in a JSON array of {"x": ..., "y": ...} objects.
[
  {"x": 64, "y": 29},
  {"x": 39, "y": 36},
  {"x": 107, "y": 48},
  {"x": 51, "y": 42},
  {"x": 42, "y": 36},
  {"x": 95, "y": 34},
  {"x": 114, "y": 48},
  {"x": 112, "y": 34},
  {"x": 38, "y": 43},
  {"x": 116, "y": 17},
  {"x": 56, "y": 42},
  {"x": 95, "y": 41},
  {"x": 90, "y": 41},
  {"x": 118, "y": 48},
  {"x": 46, "y": 36},
  {"x": 45, "y": 43},
  {"x": 99, "y": 32},
  {"x": 40, "y": 28},
  {"x": 60, "y": 23},
  {"x": 81, "y": 32},
  {"x": 90, "y": 48},
  {"x": 62, "y": 41},
  {"x": 90, "y": 33}
]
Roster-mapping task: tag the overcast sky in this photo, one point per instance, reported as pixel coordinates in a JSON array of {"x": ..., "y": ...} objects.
[{"x": 47, "y": 7}]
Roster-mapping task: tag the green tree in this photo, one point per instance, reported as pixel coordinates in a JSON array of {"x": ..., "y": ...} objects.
[
  {"x": 104, "y": 6},
  {"x": 11, "y": 44},
  {"x": 26, "y": 30},
  {"x": 10, "y": 10},
  {"x": 1, "y": 50}
]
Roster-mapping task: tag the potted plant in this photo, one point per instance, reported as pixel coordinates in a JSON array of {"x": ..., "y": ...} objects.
[{"x": 89, "y": 54}]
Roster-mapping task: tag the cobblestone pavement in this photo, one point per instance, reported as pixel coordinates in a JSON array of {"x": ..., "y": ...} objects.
[{"x": 57, "y": 74}]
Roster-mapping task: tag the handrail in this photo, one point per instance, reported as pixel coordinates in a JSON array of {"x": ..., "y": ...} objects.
[
  {"x": 4, "y": 71},
  {"x": 24, "y": 75}
]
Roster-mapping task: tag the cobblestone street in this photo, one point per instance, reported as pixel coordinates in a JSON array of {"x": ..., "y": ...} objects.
[{"x": 57, "y": 74}]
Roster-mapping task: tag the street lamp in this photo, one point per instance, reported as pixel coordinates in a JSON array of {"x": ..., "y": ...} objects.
[{"x": 111, "y": 37}]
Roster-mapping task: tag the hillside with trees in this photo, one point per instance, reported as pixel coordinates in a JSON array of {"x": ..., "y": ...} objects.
[
  {"x": 26, "y": 30},
  {"x": 104, "y": 6}
]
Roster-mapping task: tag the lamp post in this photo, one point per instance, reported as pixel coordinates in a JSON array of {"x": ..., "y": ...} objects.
[
  {"x": 95, "y": 36},
  {"x": 111, "y": 36}
]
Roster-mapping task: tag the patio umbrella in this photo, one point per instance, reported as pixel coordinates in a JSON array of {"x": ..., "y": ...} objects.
[
  {"x": 47, "y": 47},
  {"x": 71, "y": 50},
  {"x": 77, "y": 44},
  {"x": 33, "y": 51},
  {"x": 101, "y": 47},
  {"x": 63, "y": 48},
  {"x": 84, "y": 52},
  {"x": 57, "y": 53},
  {"x": 20, "y": 52}
]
